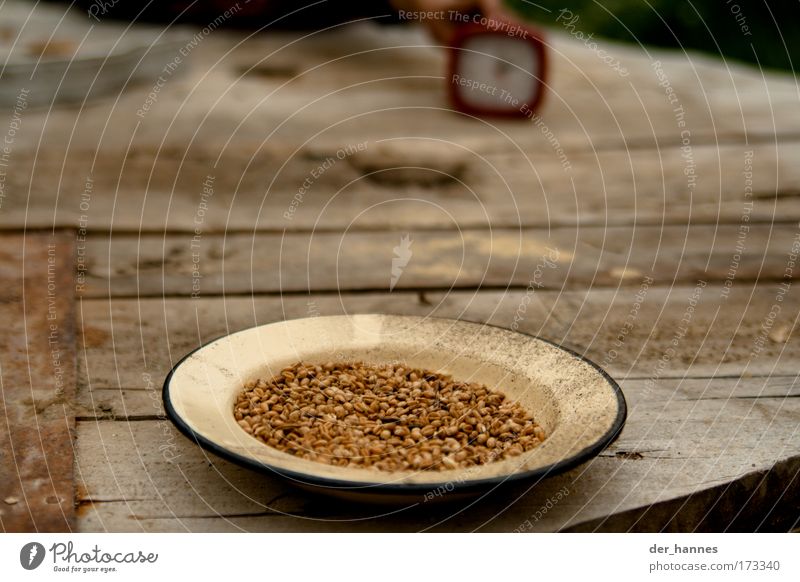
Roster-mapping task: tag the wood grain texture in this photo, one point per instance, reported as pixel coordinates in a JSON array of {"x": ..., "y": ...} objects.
[
  {"x": 633, "y": 331},
  {"x": 141, "y": 404},
  {"x": 682, "y": 436},
  {"x": 606, "y": 149},
  {"x": 290, "y": 87},
  {"x": 559, "y": 258},
  {"x": 254, "y": 188},
  {"x": 37, "y": 383}
]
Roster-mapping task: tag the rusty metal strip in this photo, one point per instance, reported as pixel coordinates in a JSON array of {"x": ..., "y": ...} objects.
[{"x": 37, "y": 382}]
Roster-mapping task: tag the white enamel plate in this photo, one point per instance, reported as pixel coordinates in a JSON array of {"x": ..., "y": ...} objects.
[{"x": 579, "y": 406}]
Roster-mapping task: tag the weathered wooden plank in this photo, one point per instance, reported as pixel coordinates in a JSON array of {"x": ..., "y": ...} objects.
[
  {"x": 110, "y": 404},
  {"x": 560, "y": 258},
  {"x": 260, "y": 136},
  {"x": 37, "y": 383},
  {"x": 145, "y": 403},
  {"x": 764, "y": 500},
  {"x": 130, "y": 343},
  {"x": 640, "y": 331},
  {"x": 356, "y": 80},
  {"x": 248, "y": 188},
  {"x": 682, "y": 437},
  {"x": 700, "y": 331}
]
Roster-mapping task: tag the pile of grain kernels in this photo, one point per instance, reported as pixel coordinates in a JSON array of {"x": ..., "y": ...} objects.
[{"x": 387, "y": 417}]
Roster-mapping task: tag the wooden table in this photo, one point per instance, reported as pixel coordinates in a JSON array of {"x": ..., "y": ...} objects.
[{"x": 649, "y": 222}]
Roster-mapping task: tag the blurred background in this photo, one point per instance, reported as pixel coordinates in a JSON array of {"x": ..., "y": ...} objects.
[{"x": 754, "y": 31}]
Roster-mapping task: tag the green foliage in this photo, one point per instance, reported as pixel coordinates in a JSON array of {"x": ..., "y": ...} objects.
[{"x": 756, "y": 31}]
